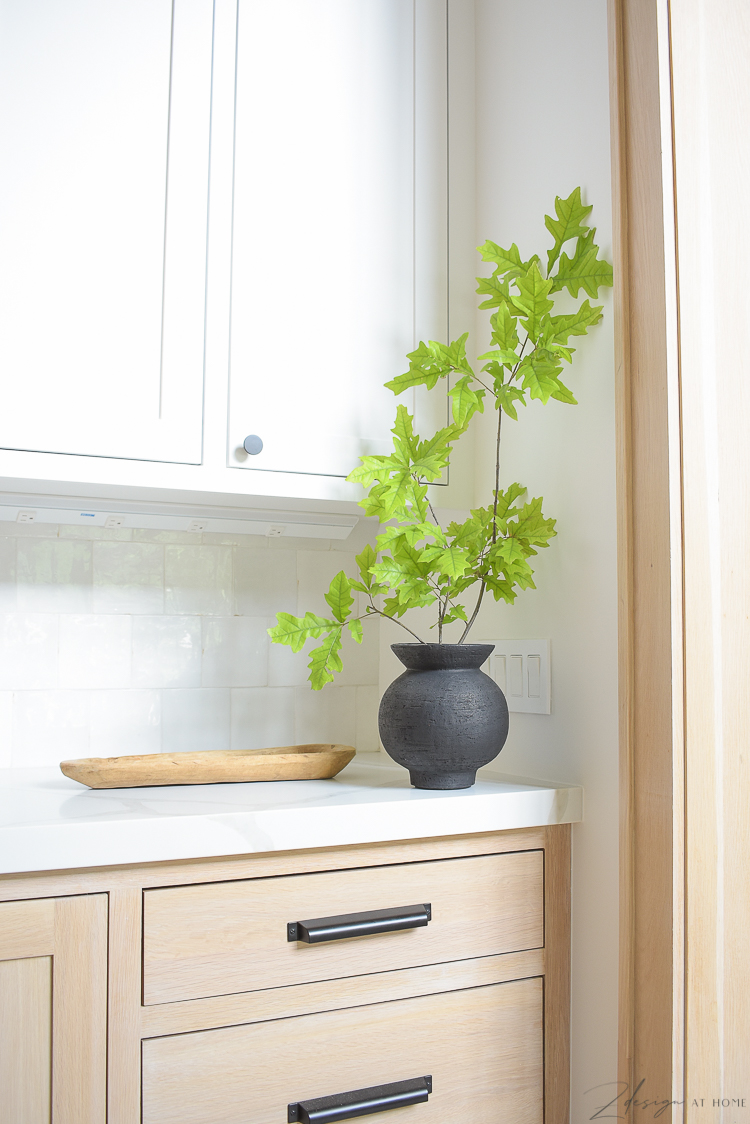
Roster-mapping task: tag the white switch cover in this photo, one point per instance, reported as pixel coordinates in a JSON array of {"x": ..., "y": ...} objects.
[{"x": 521, "y": 669}]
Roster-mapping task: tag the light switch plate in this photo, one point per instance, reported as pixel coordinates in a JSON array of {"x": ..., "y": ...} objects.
[{"x": 521, "y": 669}]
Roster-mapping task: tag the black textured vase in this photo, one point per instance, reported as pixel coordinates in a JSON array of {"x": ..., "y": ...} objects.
[{"x": 443, "y": 717}]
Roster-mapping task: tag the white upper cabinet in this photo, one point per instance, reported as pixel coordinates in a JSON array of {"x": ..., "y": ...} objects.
[
  {"x": 218, "y": 218},
  {"x": 104, "y": 144},
  {"x": 339, "y": 242}
]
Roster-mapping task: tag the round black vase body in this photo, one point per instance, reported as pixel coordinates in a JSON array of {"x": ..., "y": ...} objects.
[{"x": 443, "y": 717}]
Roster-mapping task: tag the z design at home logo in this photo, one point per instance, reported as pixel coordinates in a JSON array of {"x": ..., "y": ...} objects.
[{"x": 622, "y": 1104}]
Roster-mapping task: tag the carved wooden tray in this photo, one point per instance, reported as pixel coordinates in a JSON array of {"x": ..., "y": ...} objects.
[{"x": 220, "y": 766}]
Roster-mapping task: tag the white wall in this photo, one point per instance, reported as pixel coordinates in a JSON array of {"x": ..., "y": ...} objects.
[
  {"x": 117, "y": 642},
  {"x": 543, "y": 129}
]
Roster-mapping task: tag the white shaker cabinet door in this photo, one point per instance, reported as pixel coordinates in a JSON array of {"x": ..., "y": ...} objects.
[
  {"x": 104, "y": 142},
  {"x": 339, "y": 223}
]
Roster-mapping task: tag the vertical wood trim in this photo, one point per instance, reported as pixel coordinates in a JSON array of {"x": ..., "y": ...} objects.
[
  {"x": 650, "y": 530},
  {"x": 79, "y": 1011},
  {"x": 623, "y": 437},
  {"x": 557, "y": 975},
  {"x": 125, "y": 916}
]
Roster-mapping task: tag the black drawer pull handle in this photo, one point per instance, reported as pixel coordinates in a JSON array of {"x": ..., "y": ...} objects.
[
  {"x": 361, "y": 1102},
  {"x": 359, "y": 924}
]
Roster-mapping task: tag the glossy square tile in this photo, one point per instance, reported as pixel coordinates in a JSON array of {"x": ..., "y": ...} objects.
[
  {"x": 54, "y": 576},
  {"x": 28, "y": 651},
  {"x": 265, "y": 582},
  {"x": 50, "y": 727},
  {"x": 285, "y": 667},
  {"x": 195, "y": 720},
  {"x": 94, "y": 651},
  {"x": 6, "y": 729},
  {"x": 315, "y": 572},
  {"x": 235, "y": 651},
  {"x": 166, "y": 651},
  {"x": 262, "y": 717},
  {"x": 198, "y": 579},
  {"x": 367, "y": 739},
  {"x": 325, "y": 716},
  {"x": 128, "y": 577},
  {"x": 125, "y": 722},
  {"x": 8, "y": 598}
]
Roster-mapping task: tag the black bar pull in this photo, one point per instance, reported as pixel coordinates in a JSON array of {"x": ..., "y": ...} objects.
[
  {"x": 359, "y": 924},
  {"x": 361, "y": 1102}
]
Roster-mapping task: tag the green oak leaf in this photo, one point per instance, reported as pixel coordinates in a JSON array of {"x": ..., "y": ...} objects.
[
  {"x": 504, "y": 329},
  {"x": 404, "y": 431},
  {"x": 325, "y": 660},
  {"x": 508, "y": 262},
  {"x": 507, "y": 396},
  {"x": 295, "y": 631},
  {"x": 339, "y": 596},
  {"x": 355, "y": 628},
  {"x": 558, "y": 329},
  {"x": 465, "y": 401},
  {"x": 497, "y": 292},
  {"x": 585, "y": 270},
  {"x": 455, "y": 613},
  {"x": 533, "y": 300},
  {"x": 365, "y": 561},
  {"x": 532, "y": 525},
  {"x": 506, "y": 499},
  {"x": 430, "y": 362},
  {"x": 563, "y": 394},
  {"x": 500, "y": 588},
  {"x": 372, "y": 469},
  {"x": 568, "y": 224},
  {"x": 540, "y": 372},
  {"x": 502, "y": 358},
  {"x": 450, "y": 561}
]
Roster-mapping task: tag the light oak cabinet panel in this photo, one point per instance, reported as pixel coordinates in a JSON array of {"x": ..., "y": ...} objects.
[
  {"x": 104, "y": 136},
  {"x": 53, "y": 1010},
  {"x": 26, "y": 1038},
  {"x": 482, "y": 1047},
  {"x": 229, "y": 937}
]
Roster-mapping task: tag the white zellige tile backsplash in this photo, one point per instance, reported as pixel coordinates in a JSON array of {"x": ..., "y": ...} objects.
[{"x": 118, "y": 642}]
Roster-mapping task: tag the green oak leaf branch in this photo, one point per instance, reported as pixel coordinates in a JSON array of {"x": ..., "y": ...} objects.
[{"x": 419, "y": 563}]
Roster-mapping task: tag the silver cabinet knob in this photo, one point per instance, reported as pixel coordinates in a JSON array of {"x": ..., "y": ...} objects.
[{"x": 252, "y": 444}]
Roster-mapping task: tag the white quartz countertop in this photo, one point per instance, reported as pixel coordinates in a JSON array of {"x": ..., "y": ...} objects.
[{"x": 49, "y": 822}]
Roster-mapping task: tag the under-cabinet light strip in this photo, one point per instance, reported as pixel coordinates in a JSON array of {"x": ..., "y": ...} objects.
[{"x": 195, "y": 520}]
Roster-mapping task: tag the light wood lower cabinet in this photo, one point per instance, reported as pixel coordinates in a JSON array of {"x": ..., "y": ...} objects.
[
  {"x": 172, "y": 992},
  {"x": 53, "y": 1011}
]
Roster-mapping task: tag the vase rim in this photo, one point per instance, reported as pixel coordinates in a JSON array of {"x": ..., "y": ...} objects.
[{"x": 447, "y": 657}]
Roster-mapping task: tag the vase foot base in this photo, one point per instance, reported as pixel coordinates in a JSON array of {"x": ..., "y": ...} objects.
[{"x": 428, "y": 779}]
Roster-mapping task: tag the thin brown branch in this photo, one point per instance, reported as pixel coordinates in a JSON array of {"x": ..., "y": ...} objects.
[
  {"x": 473, "y": 616},
  {"x": 375, "y": 609}
]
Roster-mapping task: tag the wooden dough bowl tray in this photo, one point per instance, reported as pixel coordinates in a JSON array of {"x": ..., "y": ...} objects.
[{"x": 286, "y": 763}]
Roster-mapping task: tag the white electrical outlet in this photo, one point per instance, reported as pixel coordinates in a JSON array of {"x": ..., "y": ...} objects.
[
  {"x": 274, "y": 531},
  {"x": 521, "y": 669},
  {"x": 26, "y": 517},
  {"x": 197, "y": 525},
  {"x": 113, "y": 521}
]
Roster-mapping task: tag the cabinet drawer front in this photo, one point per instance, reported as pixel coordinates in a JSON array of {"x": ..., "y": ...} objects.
[
  {"x": 482, "y": 1048},
  {"x": 227, "y": 937}
]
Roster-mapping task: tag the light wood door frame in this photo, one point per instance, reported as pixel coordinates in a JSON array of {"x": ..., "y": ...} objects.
[
  {"x": 680, "y": 105},
  {"x": 649, "y": 533}
]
